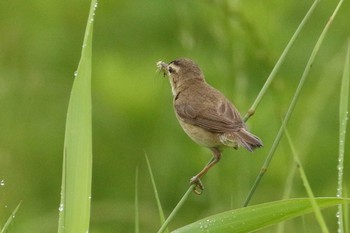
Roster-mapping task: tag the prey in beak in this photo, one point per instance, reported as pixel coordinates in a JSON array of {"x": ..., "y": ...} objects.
[{"x": 162, "y": 67}]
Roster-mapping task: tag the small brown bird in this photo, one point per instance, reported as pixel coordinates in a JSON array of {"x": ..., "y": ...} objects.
[{"x": 205, "y": 114}]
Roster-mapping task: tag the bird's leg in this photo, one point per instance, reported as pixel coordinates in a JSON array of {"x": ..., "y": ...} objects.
[{"x": 196, "y": 179}]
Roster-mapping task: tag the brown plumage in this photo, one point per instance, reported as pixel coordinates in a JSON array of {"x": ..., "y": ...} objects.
[{"x": 204, "y": 113}]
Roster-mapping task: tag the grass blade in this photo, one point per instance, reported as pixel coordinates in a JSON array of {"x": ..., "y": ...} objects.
[
  {"x": 137, "y": 222},
  {"x": 9, "y": 220},
  {"x": 176, "y": 209},
  {"x": 280, "y": 61},
  {"x": 307, "y": 186},
  {"x": 256, "y": 217},
  {"x": 160, "y": 209},
  {"x": 292, "y": 104},
  {"x": 346, "y": 214},
  {"x": 287, "y": 192},
  {"x": 343, "y": 119},
  {"x": 77, "y": 159}
]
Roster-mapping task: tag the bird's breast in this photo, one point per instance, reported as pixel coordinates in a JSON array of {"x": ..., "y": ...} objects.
[{"x": 200, "y": 135}]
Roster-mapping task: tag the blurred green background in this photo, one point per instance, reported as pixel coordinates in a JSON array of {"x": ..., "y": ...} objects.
[{"x": 236, "y": 43}]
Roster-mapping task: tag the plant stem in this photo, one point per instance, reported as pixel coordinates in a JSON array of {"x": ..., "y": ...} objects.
[
  {"x": 273, "y": 73},
  {"x": 177, "y": 208},
  {"x": 292, "y": 104}
]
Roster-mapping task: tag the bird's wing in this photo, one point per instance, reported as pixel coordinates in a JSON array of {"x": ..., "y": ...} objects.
[{"x": 219, "y": 116}]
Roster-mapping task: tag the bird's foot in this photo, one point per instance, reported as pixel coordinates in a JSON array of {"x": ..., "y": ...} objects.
[{"x": 198, "y": 185}]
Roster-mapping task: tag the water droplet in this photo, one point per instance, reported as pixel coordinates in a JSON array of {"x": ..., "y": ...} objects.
[
  {"x": 337, "y": 214},
  {"x": 2, "y": 182},
  {"x": 61, "y": 208},
  {"x": 75, "y": 73}
]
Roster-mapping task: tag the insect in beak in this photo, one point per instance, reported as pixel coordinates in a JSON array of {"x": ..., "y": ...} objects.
[{"x": 162, "y": 67}]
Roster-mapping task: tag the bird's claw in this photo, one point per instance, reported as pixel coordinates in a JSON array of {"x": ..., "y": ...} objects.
[{"x": 198, "y": 185}]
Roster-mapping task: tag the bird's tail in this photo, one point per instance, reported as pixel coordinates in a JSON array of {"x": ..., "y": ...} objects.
[{"x": 247, "y": 139}]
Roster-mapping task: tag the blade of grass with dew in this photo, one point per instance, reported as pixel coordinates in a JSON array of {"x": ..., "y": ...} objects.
[
  {"x": 10, "y": 219},
  {"x": 77, "y": 160},
  {"x": 160, "y": 209},
  {"x": 292, "y": 104},
  {"x": 137, "y": 222},
  {"x": 256, "y": 217},
  {"x": 343, "y": 119},
  {"x": 273, "y": 73},
  {"x": 346, "y": 213},
  {"x": 307, "y": 186}
]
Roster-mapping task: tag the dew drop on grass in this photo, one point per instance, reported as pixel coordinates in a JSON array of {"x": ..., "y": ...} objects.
[
  {"x": 61, "y": 208},
  {"x": 337, "y": 214},
  {"x": 2, "y": 182}
]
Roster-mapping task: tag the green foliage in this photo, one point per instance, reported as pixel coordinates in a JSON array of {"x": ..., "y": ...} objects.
[
  {"x": 160, "y": 209},
  {"x": 313, "y": 202},
  {"x": 343, "y": 120},
  {"x": 4, "y": 229},
  {"x": 256, "y": 217},
  {"x": 237, "y": 43},
  {"x": 77, "y": 160}
]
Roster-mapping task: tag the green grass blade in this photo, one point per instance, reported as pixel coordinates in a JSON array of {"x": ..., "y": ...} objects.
[
  {"x": 307, "y": 186},
  {"x": 137, "y": 222},
  {"x": 77, "y": 161},
  {"x": 160, "y": 209},
  {"x": 343, "y": 119},
  {"x": 256, "y": 217},
  {"x": 346, "y": 213},
  {"x": 287, "y": 192},
  {"x": 9, "y": 220},
  {"x": 176, "y": 209},
  {"x": 280, "y": 61},
  {"x": 292, "y": 104}
]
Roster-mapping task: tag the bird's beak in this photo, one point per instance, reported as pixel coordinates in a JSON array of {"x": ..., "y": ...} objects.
[{"x": 162, "y": 67}]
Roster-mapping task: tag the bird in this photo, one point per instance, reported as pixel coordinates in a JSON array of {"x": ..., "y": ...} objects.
[{"x": 205, "y": 114}]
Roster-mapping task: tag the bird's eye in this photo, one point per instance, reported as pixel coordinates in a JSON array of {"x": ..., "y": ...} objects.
[{"x": 171, "y": 70}]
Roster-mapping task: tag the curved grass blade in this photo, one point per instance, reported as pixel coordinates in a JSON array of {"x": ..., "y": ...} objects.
[
  {"x": 307, "y": 186},
  {"x": 256, "y": 217},
  {"x": 292, "y": 104},
  {"x": 273, "y": 73},
  {"x": 137, "y": 221},
  {"x": 9, "y": 220},
  {"x": 77, "y": 160},
  {"x": 176, "y": 209},
  {"x": 343, "y": 119},
  {"x": 160, "y": 209}
]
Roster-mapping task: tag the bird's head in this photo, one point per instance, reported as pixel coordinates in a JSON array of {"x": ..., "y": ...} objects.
[{"x": 180, "y": 71}]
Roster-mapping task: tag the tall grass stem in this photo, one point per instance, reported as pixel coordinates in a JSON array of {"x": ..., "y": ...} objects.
[
  {"x": 292, "y": 104},
  {"x": 343, "y": 119},
  {"x": 275, "y": 69}
]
